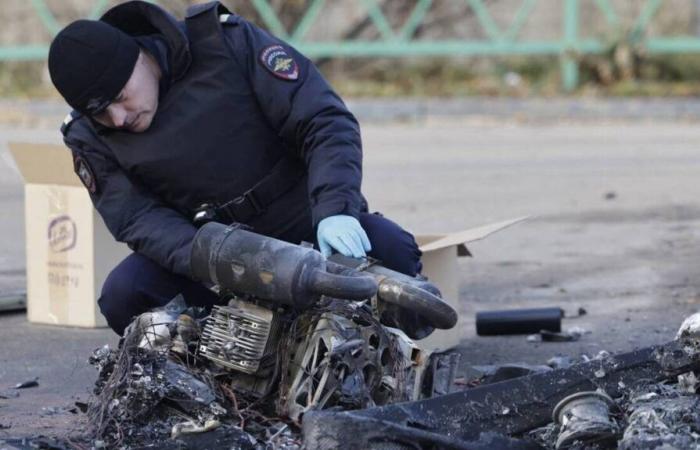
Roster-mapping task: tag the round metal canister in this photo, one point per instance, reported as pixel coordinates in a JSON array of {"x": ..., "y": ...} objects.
[{"x": 584, "y": 417}]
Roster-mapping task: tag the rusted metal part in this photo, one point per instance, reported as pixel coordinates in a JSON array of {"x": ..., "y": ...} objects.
[{"x": 515, "y": 406}]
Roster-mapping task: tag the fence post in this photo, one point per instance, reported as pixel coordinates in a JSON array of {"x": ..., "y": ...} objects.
[{"x": 568, "y": 56}]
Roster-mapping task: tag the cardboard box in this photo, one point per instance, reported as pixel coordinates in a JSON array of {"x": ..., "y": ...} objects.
[
  {"x": 440, "y": 265},
  {"x": 70, "y": 252}
]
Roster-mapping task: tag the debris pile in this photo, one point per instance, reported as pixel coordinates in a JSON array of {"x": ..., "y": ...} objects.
[
  {"x": 591, "y": 404},
  {"x": 145, "y": 394},
  {"x": 652, "y": 415},
  {"x": 170, "y": 382},
  {"x": 658, "y": 416},
  {"x": 662, "y": 416},
  {"x": 333, "y": 374}
]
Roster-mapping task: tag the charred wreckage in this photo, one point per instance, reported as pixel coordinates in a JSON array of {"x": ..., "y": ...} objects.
[
  {"x": 294, "y": 333},
  {"x": 305, "y": 352}
]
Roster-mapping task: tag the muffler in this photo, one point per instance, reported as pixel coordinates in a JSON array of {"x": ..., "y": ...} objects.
[
  {"x": 412, "y": 304},
  {"x": 244, "y": 262}
]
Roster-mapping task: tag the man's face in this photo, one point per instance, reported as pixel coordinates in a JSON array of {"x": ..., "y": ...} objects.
[{"x": 136, "y": 104}]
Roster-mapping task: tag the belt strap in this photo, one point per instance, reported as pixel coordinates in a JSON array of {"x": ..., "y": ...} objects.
[{"x": 254, "y": 202}]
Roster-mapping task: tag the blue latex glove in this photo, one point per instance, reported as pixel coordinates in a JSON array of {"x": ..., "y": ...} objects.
[{"x": 344, "y": 234}]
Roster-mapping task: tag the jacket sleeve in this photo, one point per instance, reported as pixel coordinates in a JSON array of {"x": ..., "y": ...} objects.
[
  {"x": 131, "y": 214},
  {"x": 308, "y": 115}
]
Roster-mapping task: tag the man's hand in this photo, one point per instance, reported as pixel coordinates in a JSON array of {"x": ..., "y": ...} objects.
[{"x": 344, "y": 234}]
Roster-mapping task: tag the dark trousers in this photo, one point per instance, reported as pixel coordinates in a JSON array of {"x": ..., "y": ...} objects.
[{"x": 138, "y": 284}]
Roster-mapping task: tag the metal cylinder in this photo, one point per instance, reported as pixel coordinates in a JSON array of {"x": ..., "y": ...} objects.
[
  {"x": 414, "y": 305},
  {"x": 518, "y": 321},
  {"x": 426, "y": 304},
  {"x": 248, "y": 263},
  {"x": 584, "y": 417},
  {"x": 337, "y": 263}
]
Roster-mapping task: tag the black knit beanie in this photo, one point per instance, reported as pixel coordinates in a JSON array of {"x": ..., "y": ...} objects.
[{"x": 90, "y": 62}]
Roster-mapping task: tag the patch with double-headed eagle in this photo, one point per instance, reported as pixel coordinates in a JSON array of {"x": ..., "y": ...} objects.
[
  {"x": 86, "y": 174},
  {"x": 276, "y": 59}
]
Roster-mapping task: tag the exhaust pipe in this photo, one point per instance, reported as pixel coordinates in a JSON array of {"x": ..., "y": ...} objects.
[
  {"x": 244, "y": 262},
  {"x": 420, "y": 297}
]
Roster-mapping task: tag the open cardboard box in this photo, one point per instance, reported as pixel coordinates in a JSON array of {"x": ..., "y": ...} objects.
[
  {"x": 441, "y": 266},
  {"x": 70, "y": 252}
]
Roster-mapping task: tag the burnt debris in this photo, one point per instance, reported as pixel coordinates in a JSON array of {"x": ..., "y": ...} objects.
[
  {"x": 283, "y": 363},
  {"x": 335, "y": 376},
  {"x": 513, "y": 407},
  {"x": 179, "y": 376}
]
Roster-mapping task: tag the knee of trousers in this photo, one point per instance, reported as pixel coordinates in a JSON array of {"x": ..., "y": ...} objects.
[
  {"x": 138, "y": 284},
  {"x": 395, "y": 247},
  {"x": 118, "y": 298}
]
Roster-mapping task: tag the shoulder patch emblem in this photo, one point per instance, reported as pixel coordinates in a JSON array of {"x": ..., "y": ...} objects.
[
  {"x": 86, "y": 174},
  {"x": 276, "y": 59}
]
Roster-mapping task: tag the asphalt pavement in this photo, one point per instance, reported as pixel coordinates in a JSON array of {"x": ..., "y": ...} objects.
[{"x": 615, "y": 228}]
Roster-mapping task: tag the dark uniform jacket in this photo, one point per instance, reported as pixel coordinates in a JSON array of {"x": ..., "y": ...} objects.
[{"x": 238, "y": 102}]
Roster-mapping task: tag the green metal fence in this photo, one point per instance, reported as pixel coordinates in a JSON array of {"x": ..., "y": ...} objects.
[{"x": 569, "y": 46}]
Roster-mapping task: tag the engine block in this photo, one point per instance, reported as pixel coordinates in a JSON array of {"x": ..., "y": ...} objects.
[{"x": 239, "y": 336}]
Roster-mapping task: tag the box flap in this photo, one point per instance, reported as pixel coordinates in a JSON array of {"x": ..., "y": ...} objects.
[
  {"x": 462, "y": 237},
  {"x": 44, "y": 163}
]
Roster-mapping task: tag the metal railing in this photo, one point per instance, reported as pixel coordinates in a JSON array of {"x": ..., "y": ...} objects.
[{"x": 569, "y": 46}]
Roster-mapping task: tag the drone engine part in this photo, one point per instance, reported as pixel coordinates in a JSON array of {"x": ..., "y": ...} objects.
[
  {"x": 240, "y": 336},
  {"x": 240, "y": 261}
]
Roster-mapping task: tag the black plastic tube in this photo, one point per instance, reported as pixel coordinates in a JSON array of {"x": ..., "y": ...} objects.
[{"x": 518, "y": 321}]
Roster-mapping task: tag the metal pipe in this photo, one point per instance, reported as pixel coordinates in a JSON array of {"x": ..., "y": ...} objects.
[
  {"x": 350, "y": 287},
  {"x": 428, "y": 306},
  {"x": 243, "y": 262},
  {"x": 415, "y": 295}
]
